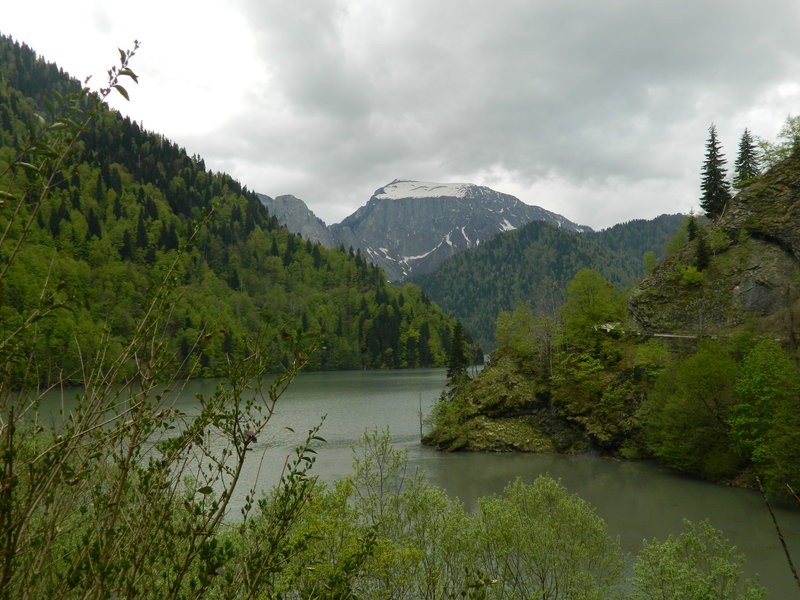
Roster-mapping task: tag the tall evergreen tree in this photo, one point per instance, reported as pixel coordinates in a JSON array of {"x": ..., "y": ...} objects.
[
  {"x": 746, "y": 167},
  {"x": 457, "y": 360},
  {"x": 714, "y": 185}
]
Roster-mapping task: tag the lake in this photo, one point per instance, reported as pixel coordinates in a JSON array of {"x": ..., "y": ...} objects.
[{"x": 637, "y": 499}]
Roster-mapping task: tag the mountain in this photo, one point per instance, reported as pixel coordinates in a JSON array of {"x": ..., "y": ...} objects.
[
  {"x": 410, "y": 227},
  {"x": 743, "y": 269},
  {"x": 534, "y": 263},
  {"x": 295, "y": 215}
]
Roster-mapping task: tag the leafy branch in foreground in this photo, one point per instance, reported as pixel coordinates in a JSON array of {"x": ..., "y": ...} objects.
[{"x": 125, "y": 496}]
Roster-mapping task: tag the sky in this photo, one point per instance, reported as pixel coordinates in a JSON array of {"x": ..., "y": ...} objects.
[{"x": 596, "y": 110}]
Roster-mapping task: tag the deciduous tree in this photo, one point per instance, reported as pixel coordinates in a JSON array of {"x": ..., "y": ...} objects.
[{"x": 697, "y": 564}]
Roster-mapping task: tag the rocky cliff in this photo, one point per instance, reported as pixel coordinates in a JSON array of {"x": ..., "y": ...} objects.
[
  {"x": 298, "y": 218},
  {"x": 752, "y": 273}
]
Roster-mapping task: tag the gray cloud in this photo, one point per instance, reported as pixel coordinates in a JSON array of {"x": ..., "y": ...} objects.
[{"x": 580, "y": 95}]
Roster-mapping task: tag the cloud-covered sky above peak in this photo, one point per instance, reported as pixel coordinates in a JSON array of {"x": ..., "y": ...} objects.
[{"x": 595, "y": 110}]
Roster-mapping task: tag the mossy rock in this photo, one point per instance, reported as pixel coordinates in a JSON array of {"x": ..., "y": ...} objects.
[{"x": 506, "y": 434}]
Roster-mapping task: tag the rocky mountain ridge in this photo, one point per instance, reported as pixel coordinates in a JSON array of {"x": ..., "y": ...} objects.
[
  {"x": 298, "y": 218},
  {"x": 409, "y": 227},
  {"x": 753, "y": 271}
]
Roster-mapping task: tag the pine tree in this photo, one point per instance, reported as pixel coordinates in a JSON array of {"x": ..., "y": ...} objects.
[
  {"x": 715, "y": 188},
  {"x": 458, "y": 360},
  {"x": 746, "y": 167}
]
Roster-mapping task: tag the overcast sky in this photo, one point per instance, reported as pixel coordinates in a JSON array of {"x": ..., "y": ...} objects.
[{"x": 594, "y": 109}]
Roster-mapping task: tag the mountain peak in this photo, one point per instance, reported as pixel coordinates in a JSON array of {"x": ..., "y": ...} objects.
[
  {"x": 410, "y": 226},
  {"x": 295, "y": 214}
]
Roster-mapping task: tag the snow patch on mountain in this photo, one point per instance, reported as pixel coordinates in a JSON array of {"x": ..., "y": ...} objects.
[
  {"x": 407, "y": 259},
  {"x": 401, "y": 189},
  {"x": 509, "y": 227}
]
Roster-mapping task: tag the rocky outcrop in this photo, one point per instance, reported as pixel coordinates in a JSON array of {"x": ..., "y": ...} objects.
[
  {"x": 298, "y": 218},
  {"x": 753, "y": 275},
  {"x": 505, "y": 409}
]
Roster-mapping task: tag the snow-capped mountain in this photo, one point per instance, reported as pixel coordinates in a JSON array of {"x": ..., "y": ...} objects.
[{"x": 412, "y": 226}]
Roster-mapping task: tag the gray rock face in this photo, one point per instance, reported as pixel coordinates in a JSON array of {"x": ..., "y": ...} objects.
[
  {"x": 753, "y": 275},
  {"x": 298, "y": 218},
  {"x": 411, "y": 227},
  {"x": 749, "y": 279}
]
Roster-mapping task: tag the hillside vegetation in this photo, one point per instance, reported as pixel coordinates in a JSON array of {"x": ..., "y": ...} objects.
[
  {"x": 533, "y": 265},
  {"x": 127, "y": 208},
  {"x": 696, "y": 366}
]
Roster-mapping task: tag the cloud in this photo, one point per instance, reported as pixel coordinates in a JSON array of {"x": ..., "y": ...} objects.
[{"x": 598, "y": 110}]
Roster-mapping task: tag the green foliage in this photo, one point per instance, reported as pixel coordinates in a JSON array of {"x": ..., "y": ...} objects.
[
  {"x": 589, "y": 380},
  {"x": 529, "y": 336},
  {"x": 649, "y": 260},
  {"x": 702, "y": 254},
  {"x": 690, "y": 276},
  {"x": 682, "y": 236},
  {"x": 533, "y": 264},
  {"x": 772, "y": 153},
  {"x": 651, "y": 358},
  {"x": 685, "y": 417},
  {"x": 532, "y": 540},
  {"x": 104, "y": 210},
  {"x": 714, "y": 184},
  {"x": 555, "y": 384},
  {"x": 592, "y": 307},
  {"x": 696, "y": 564},
  {"x": 458, "y": 358},
  {"x": 127, "y": 496},
  {"x": 727, "y": 408},
  {"x": 539, "y": 541},
  {"x": 765, "y": 414}
]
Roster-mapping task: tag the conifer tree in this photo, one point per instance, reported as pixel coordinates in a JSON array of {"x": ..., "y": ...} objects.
[
  {"x": 458, "y": 360},
  {"x": 714, "y": 185},
  {"x": 746, "y": 167}
]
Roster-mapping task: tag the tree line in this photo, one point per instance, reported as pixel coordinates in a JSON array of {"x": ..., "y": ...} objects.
[
  {"x": 126, "y": 206},
  {"x": 754, "y": 156},
  {"x": 534, "y": 263}
]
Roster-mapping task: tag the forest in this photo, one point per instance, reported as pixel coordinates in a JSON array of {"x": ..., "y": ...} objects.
[
  {"x": 127, "y": 210},
  {"x": 694, "y": 365},
  {"x": 534, "y": 264},
  {"x": 721, "y": 409}
]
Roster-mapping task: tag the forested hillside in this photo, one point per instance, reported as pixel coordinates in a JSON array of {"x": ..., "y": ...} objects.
[
  {"x": 697, "y": 366},
  {"x": 533, "y": 265},
  {"x": 130, "y": 214}
]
